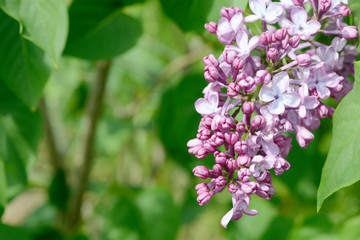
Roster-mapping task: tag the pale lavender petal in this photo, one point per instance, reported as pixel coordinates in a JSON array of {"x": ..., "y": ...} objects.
[
  {"x": 226, "y": 219},
  {"x": 280, "y": 82},
  {"x": 338, "y": 43},
  {"x": 332, "y": 80},
  {"x": 310, "y": 102},
  {"x": 269, "y": 161},
  {"x": 254, "y": 41},
  {"x": 194, "y": 142},
  {"x": 323, "y": 91},
  {"x": 258, "y": 7},
  {"x": 266, "y": 94},
  {"x": 273, "y": 11},
  {"x": 236, "y": 22},
  {"x": 257, "y": 159},
  {"x": 276, "y": 107},
  {"x": 270, "y": 147},
  {"x": 213, "y": 99},
  {"x": 291, "y": 99},
  {"x": 302, "y": 111},
  {"x": 242, "y": 40},
  {"x": 252, "y": 18},
  {"x": 251, "y": 212},
  {"x": 224, "y": 31},
  {"x": 311, "y": 27},
  {"x": 298, "y": 16}
]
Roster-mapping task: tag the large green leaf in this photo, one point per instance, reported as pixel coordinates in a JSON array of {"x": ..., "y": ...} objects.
[
  {"x": 20, "y": 132},
  {"x": 12, "y": 233},
  {"x": 23, "y": 67},
  {"x": 99, "y": 29},
  {"x": 342, "y": 167},
  {"x": 188, "y": 14},
  {"x": 44, "y": 22}
]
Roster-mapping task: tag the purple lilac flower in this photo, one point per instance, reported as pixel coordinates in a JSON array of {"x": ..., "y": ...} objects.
[{"x": 264, "y": 86}]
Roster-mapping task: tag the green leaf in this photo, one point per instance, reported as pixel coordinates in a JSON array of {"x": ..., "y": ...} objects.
[
  {"x": 44, "y": 22},
  {"x": 99, "y": 29},
  {"x": 233, "y": 3},
  {"x": 158, "y": 210},
  {"x": 342, "y": 166},
  {"x": 20, "y": 132},
  {"x": 12, "y": 233},
  {"x": 23, "y": 67},
  {"x": 59, "y": 190},
  {"x": 3, "y": 187},
  {"x": 190, "y": 15}
]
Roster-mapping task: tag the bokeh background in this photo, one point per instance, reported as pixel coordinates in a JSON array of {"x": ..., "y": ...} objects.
[{"x": 140, "y": 184}]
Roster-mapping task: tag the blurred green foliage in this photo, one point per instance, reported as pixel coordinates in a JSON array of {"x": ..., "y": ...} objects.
[{"x": 140, "y": 185}]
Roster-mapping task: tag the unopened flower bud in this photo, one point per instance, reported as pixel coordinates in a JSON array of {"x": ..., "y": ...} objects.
[
  {"x": 229, "y": 56},
  {"x": 227, "y": 12},
  {"x": 262, "y": 76},
  {"x": 238, "y": 63},
  {"x": 220, "y": 158},
  {"x": 211, "y": 74},
  {"x": 304, "y": 136},
  {"x": 258, "y": 122},
  {"x": 231, "y": 137},
  {"x": 206, "y": 122},
  {"x": 344, "y": 11},
  {"x": 240, "y": 127},
  {"x": 233, "y": 188},
  {"x": 217, "y": 169},
  {"x": 231, "y": 164},
  {"x": 324, "y": 6},
  {"x": 211, "y": 61},
  {"x": 304, "y": 60},
  {"x": 331, "y": 112},
  {"x": 231, "y": 89},
  {"x": 204, "y": 198},
  {"x": 243, "y": 160},
  {"x": 322, "y": 111},
  {"x": 211, "y": 27},
  {"x": 220, "y": 181},
  {"x": 201, "y": 187},
  {"x": 241, "y": 147},
  {"x": 350, "y": 32},
  {"x": 248, "y": 108},
  {"x": 280, "y": 34},
  {"x": 294, "y": 41},
  {"x": 272, "y": 54},
  {"x": 201, "y": 172},
  {"x": 265, "y": 38}
]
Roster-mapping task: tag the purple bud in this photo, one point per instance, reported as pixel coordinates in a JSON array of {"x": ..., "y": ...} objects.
[
  {"x": 322, "y": 111},
  {"x": 204, "y": 134},
  {"x": 243, "y": 84},
  {"x": 231, "y": 137},
  {"x": 238, "y": 63},
  {"x": 344, "y": 11},
  {"x": 217, "y": 169},
  {"x": 298, "y": 2},
  {"x": 265, "y": 38},
  {"x": 350, "y": 32},
  {"x": 233, "y": 188},
  {"x": 211, "y": 74},
  {"x": 294, "y": 41},
  {"x": 231, "y": 164},
  {"x": 241, "y": 147},
  {"x": 220, "y": 158},
  {"x": 324, "y": 6},
  {"x": 249, "y": 187},
  {"x": 211, "y": 61},
  {"x": 206, "y": 122},
  {"x": 240, "y": 127},
  {"x": 229, "y": 56},
  {"x": 248, "y": 108},
  {"x": 227, "y": 12},
  {"x": 280, "y": 34},
  {"x": 201, "y": 172},
  {"x": 304, "y": 60},
  {"x": 258, "y": 122},
  {"x": 220, "y": 181},
  {"x": 243, "y": 160},
  {"x": 272, "y": 54},
  {"x": 201, "y": 187},
  {"x": 273, "y": 39},
  {"x": 262, "y": 76},
  {"x": 204, "y": 198},
  {"x": 231, "y": 89},
  {"x": 304, "y": 136},
  {"x": 211, "y": 27},
  {"x": 244, "y": 174}
]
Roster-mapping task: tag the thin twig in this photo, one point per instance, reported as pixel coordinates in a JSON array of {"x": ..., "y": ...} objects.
[{"x": 94, "y": 106}]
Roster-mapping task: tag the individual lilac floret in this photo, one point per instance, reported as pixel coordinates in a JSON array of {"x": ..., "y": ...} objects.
[
  {"x": 209, "y": 105},
  {"x": 269, "y": 14},
  {"x": 278, "y": 95},
  {"x": 244, "y": 45},
  {"x": 322, "y": 81},
  {"x": 227, "y": 30},
  {"x": 300, "y": 26}
]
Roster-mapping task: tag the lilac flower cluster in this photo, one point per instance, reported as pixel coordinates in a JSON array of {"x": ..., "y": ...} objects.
[{"x": 264, "y": 86}]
